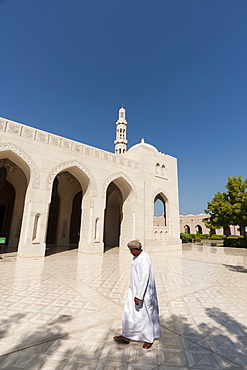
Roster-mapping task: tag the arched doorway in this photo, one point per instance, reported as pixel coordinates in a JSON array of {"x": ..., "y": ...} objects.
[
  {"x": 198, "y": 229},
  {"x": 7, "y": 200},
  {"x": 75, "y": 220},
  {"x": 119, "y": 215},
  {"x": 187, "y": 229},
  {"x": 13, "y": 186},
  {"x": 64, "y": 218},
  {"x": 53, "y": 215},
  {"x": 113, "y": 216}
]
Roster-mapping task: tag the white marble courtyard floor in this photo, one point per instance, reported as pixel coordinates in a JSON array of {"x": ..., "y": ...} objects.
[{"x": 62, "y": 311}]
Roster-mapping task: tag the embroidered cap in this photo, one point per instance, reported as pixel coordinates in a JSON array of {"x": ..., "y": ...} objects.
[{"x": 134, "y": 244}]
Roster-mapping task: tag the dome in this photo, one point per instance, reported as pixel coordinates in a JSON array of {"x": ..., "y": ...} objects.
[{"x": 143, "y": 145}]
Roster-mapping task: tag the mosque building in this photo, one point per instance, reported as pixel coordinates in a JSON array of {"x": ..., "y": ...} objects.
[{"x": 56, "y": 192}]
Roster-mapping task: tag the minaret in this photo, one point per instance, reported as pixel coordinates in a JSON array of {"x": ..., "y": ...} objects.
[{"x": 121, "y": 143}]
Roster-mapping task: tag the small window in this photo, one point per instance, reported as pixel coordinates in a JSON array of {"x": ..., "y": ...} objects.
[
  {"x": 157, "y": 169},
  {"x": 36, "y": 227},
  {"x": 96, "y": 229},
  {"x": 163, "y": 170}
]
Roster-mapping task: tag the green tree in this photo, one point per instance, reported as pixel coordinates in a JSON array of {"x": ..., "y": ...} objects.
[{"x": 230, "y": 207}]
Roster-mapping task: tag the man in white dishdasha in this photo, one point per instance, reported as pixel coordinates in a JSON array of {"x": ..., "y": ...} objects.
[{"x": 140, "y": 320}]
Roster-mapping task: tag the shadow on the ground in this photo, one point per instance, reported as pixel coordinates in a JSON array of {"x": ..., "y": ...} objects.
[
  {"x": 29, "y": 351},
  {"x": 52, "y": 343},
  {"x": 238, "y": 268},
  {"x": 54, "y": 249},
  {"x": 5, "y": 325},
  {"x": 5, "y": 249}
]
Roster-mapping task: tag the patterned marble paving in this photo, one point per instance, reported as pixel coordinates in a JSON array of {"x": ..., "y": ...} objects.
[{"x": 62, "y": 311}]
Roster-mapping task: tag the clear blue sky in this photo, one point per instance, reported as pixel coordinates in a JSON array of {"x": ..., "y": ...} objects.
[{"x": 179, "y": 66}]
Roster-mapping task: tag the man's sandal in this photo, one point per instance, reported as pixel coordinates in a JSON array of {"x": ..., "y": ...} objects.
[
  {"x": 147, "y": 345},
  {"x": 121, "y": 339}
]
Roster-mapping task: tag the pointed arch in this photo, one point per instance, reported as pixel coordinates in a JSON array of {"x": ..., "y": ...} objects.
[
  {"x": 187, "y": 229},
  {"x": 117, "y": 176},
  {"x": 66, "y": 166},
  {"x": 198, "y": 229},
  {"x": 7, "y": 201},
  {"x": 23, "y": 160},
  {"x": 161, "y": 197},
  {"x": 119, "y": 218},
  {"x": 162, "y": 193}
]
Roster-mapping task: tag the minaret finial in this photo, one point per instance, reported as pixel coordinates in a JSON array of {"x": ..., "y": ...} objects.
[
  {"x": 121, "y": 141},
  {"x": 122, "y": 104}
]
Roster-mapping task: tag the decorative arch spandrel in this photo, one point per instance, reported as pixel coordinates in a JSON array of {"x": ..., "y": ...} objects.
[
  {"x": 34, "y": 172},
  {"x": 67, "y": 165},
  {"x": 116, "y": 176}
]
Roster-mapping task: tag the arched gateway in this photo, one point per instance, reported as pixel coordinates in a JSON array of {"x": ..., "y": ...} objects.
[
  {"x": 119, "y": 211},
  {"x": 59, "y": 193},
  {"x": 15, "y": 176}
]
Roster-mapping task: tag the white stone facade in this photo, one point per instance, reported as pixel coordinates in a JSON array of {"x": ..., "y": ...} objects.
[{"x": 62, "y": 192}]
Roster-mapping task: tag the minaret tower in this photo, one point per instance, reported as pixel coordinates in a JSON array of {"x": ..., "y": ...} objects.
[{"x": 121, "y": 142}]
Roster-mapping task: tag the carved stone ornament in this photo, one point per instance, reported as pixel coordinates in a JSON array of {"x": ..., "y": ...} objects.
[
  {"x": 28, "y": 133},
  {"x": 34, "y": 173},
  {"x": 66, "y": 165},
  {"x": 77, "y": 147},
  {"x": 54, "y": 140},
  {"x": 14, "y": 128},
  {"x": 87, "y": 151},
  {"x": 2, "y": 125},
  {"x": 42, "y": 137},
  {"x": 66, "y": 144}
]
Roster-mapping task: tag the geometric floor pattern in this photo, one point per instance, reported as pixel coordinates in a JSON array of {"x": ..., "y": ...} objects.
[{"x": 61, "y": 311}]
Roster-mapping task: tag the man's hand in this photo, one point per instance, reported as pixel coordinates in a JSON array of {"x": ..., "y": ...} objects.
[{"x": 136, "y": 300}]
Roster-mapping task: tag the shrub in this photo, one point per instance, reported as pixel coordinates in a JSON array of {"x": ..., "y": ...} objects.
[
  {"x": 215, "y": 237},
  {"x": 235, "y": 242},
  {"x": 235, "y": 237},
  {"x": 187, "y": 238},
  {"x": 204, "y": 236},
  {"x": 197, "y": 239}
]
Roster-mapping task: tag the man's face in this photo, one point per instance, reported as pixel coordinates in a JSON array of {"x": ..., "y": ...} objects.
[{"x": 135, "y": 252}]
